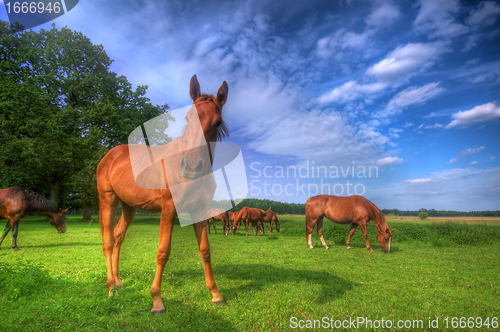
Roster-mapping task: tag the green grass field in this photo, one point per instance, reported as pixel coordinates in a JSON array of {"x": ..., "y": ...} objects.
[{"x": 437, "y": 270}]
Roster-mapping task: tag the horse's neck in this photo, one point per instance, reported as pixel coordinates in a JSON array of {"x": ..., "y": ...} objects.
[
  {"x": 380, "y": 222},
  {"x": 42, "y": 211}
]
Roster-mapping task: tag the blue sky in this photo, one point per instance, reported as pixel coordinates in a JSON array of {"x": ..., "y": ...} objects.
[{"x": 409, "y": 87}]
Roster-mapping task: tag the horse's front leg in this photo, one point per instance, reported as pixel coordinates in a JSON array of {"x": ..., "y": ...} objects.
[
  {"x": 351, "y": 232},
  {"x": 5, "y": 232},
  {"x": 126, "y": 219},
  {"x": 201, "y": 236},
  {"x": 167, "y": 219},
  {"x": 108, "y": 202},
  {"x": 362, "y": 225}
]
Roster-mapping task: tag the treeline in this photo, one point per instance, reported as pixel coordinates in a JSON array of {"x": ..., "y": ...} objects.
[
  {"x": 300, "y": 208},
  {"x": 264, "y": 204},
  {"x": 442, "y": 213}
]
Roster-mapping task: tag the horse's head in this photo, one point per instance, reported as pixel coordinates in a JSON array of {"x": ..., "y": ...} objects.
[
  {"x": 58, "y": 221},
  {"x": 204, "y": 124},
  {"x": 385, "y": 239}
]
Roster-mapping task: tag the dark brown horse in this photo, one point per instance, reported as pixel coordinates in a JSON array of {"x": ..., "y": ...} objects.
[
  {"x": 252, "y": 215},
  {"x": 188, "y": 160},
  {"x": 354, "y": 210},
  {"x": 17, "y": 203},
  {"x": 221, "y": 216}
]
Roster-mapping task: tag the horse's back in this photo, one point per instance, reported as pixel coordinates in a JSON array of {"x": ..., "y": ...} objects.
[
  {"x": 340, "y": 209},
  {"x": 115, "y": 175}
]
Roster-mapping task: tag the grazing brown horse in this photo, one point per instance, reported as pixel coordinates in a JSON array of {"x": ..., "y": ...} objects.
[
  {"x": 187, "y": 162},
  {"x": 17, "y": 203},
  {"x": 221, "y": 216},
  {"x": 253, "y": 215},
  {"x": 354, "y": 210},
  {"x": 272, "y": 218}
]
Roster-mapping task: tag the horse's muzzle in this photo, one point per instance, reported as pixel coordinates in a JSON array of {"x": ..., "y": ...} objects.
[
  {"x": 189, "y": 172},
  {"x": 62, "y": 230}
]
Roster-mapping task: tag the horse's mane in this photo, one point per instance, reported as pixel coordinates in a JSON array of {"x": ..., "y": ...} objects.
[
  {"x": 223, "y": 131},
  {"x": 35, "y": 199},
  {"x": 377, "y": 213}
]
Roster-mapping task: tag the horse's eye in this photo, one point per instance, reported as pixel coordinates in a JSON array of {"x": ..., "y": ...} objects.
[{"x": 218, "y": 123}]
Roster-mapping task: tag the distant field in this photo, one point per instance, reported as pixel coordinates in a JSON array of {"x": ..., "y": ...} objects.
[{"x": 437, "y": 270}]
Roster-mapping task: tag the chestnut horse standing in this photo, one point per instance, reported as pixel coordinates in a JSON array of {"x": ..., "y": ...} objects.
[
  {"x": 221, "y": 216},
  {"x": 17, "y": 203},
  {"x": 354, "y": 210},
  {"x": 253, "y": 215},
  {"x": 116, "y": 183}
]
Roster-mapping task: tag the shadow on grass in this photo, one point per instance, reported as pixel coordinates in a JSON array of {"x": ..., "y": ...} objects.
[
  {"x": 34, "y": 299},
  {"x": 61, "y": 245},
  {"x": 262, "y": 276}
]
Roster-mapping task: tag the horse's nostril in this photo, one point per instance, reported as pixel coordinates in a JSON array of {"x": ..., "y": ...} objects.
[
  {"x": 182, "y": 164},
  {"x": 199, "y": 167}
]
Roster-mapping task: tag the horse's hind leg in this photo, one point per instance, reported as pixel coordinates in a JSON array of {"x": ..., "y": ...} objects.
[
  {"x": 126, "y": 219},
  {"x": 215, "y": 229},
  {"x": 108, "y": 203},
  {"x": 5, "y": 232},
  {"x": 319, "y": 228},
  {"x": 351, "y": 232}
]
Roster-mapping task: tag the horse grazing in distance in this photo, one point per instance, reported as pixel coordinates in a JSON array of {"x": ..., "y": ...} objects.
[
  {"x": 221, "y": 216},
  {"x": 17, "y": 203},
  {"x": 272, "y": 218},
  {"x": 354, "y": 210},
  {"x": 253, "y": 215},
  {"x": 189, "y": 159}
]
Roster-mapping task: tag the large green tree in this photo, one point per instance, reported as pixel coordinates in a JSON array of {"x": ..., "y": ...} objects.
[{"x": 61, "y": 110}]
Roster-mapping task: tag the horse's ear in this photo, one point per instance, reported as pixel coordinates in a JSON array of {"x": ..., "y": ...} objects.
[
  {"x": 222, "y": 93},
  {"x": 393, "y": 230},
  {"x": 269, "y": 209},
  {"x": 194, "y": 88},
  {"x": 64, "y": 211}
]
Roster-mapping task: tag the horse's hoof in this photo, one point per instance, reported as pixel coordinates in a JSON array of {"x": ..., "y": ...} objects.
[
  {"x": 16, "y": 248},
  {"x": 158, "y": 312},
  {"x": 327, "y": 248},
  {"x": 348, "y": 247},
  {"x": 221, "y": 303},
  {"x": 311, "y": 247}
]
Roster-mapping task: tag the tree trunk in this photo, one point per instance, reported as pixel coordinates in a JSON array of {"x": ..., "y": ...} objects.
[
  {"x": 55, "y": 192},
  {"x": 87, "y": 213}
]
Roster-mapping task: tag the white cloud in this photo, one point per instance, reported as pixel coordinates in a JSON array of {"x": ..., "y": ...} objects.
[
  {"x": 350, "y": 91},
  {"x": 383, "y": 15},
  {"x": 437, "y": 19},
  {"x": 436, "y": 125},
  {"x": 408, "y": 124},
  {"x": 399, "y": 64},
  {"x": 467, "y": 152},
  {"x": 324, "y": 136},
  {"x": 406, "y": 60},
  {"x": 393, "y": 132},
  {"x": 474, "y": 162},
  {"x": 479, "y": 113},
  {"x": 411, "y": 96},
  {"x": 388, "y": 161},
  {"x": 417, "y": 180},
  {"x": 485, "y": 14}
]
